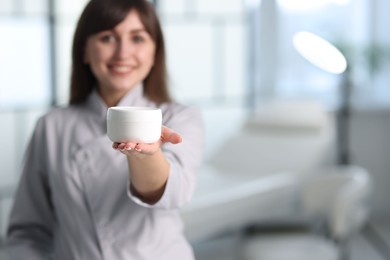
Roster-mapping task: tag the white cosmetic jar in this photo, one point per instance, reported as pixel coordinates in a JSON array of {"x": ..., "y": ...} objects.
[{"x": 134, "y": 124}]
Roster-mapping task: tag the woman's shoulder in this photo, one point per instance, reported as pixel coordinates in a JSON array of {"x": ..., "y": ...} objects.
[
  {"x": 58, "y": 112},
  {"x": 59, "y": 115}
]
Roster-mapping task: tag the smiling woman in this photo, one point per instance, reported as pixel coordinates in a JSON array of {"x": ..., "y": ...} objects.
[
  {"x": 115, "y": 35},
  {"x": 79, "y": 198},
  {"x": 120, "y": 58}
]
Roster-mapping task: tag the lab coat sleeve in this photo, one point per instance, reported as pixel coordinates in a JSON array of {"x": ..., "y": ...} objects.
[
  {"x": 184, "y": 158},
  {"x": 29, "y": 232}
]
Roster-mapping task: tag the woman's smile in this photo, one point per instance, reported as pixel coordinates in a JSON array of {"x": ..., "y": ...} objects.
[{"x": 120, "y": 70}]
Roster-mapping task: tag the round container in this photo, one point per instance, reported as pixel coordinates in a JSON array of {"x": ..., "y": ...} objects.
[{"x": 134, "y": 124}]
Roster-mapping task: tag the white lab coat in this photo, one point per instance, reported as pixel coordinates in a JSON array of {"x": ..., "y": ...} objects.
[{"x": 73, "y": 200}]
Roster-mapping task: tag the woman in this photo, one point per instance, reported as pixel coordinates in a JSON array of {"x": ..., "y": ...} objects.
[{"x": 78, "y": 198}]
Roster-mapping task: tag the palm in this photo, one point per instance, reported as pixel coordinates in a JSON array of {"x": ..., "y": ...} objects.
[{"x": 167, "y": 136}]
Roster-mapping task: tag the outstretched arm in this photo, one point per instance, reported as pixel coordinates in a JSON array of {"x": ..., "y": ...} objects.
[{"x": 148, "y": 167}]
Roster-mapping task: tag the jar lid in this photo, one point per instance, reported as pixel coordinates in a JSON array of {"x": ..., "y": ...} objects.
[{"x": 133, "y": 113}]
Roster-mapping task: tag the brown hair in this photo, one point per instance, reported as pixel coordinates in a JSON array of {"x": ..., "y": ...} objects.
[{"x": 100, "y": 15}]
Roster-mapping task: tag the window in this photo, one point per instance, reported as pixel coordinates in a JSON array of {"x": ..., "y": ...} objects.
[
  {"x": 206, "y": 49},
  {"x": 356, "y": 27},
  {"x": 25, "y": 61}
]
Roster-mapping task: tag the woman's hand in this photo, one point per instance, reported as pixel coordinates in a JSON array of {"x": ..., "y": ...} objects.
[{"x": 131, "y": 148}]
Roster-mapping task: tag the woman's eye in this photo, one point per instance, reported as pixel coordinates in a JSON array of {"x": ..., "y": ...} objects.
[
  {"x": 138, "y": 39},
  {"x": 107, "y": 38}
]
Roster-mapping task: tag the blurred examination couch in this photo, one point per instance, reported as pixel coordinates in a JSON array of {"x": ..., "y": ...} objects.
[{"x": 255, "y": 174}]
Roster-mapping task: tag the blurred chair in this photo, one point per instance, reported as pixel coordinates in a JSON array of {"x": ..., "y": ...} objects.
[
  {"x": 335, "y": 204},
  {"x": 290, "y": 135},
  {"x": 259, "y": 165}
]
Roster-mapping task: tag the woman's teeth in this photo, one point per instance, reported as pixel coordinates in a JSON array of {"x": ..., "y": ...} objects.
[{"x": 121, "y": 69}]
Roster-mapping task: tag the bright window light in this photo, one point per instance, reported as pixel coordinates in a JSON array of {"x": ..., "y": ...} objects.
[
  {"x": 252, "y": 3},
  {"x": 308, "y": 5},
  {"x": 341, "y": 2},
  {"x": 320, "y": 52}
]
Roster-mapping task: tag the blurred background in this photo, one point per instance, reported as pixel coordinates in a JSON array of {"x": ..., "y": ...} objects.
[{"x": 226, "y": 57}]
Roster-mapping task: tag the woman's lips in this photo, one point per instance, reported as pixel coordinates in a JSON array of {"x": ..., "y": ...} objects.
[{"x": 120, "y": 69}]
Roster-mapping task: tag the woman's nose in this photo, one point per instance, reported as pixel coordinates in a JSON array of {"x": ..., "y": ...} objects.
[{"x": 124, "y": 49}]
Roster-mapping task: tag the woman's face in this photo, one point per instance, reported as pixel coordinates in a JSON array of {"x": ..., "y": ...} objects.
[{"x": 120, "y": 58}]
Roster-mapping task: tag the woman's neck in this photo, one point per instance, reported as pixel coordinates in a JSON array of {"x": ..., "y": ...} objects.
[{"x": 112, "y": 98}]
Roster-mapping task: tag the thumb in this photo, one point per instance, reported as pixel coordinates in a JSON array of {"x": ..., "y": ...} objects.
[{"x": 168, "y": 135}]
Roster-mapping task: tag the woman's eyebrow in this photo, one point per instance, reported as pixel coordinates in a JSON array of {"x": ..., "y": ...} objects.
[{"x": 138, "y": 30}]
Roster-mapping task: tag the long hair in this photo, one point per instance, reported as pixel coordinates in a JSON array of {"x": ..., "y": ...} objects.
[{"x": 101, "y": 15}]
